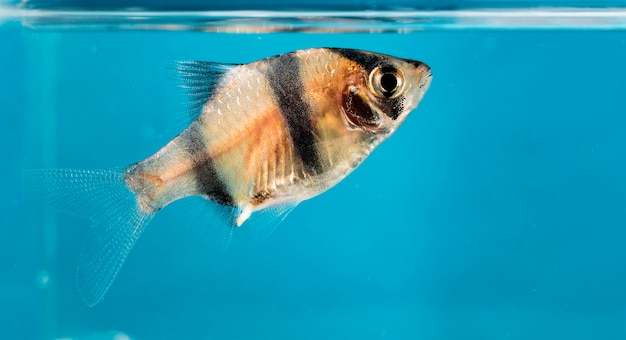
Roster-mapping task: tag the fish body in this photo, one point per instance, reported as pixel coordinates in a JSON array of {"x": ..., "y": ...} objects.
[{"x": 264, "y": 137}]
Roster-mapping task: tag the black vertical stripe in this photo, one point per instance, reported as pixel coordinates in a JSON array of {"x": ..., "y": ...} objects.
[
  {"x": 207, "y": 178},
  {"x": 284, "y": 77}
]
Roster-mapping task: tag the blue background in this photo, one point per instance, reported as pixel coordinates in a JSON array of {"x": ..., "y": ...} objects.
[{"x": 497, "y": 211}]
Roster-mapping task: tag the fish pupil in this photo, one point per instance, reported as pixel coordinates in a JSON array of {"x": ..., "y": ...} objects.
[{"x": 388, "y": 82}]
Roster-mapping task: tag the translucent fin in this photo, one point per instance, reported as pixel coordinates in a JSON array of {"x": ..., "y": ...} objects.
[
  {"x": 102, "y": 196},
  {"x": 262, "y": 223},
  {"x": 216, "y": 224},
  {"x": 199, "y": 79},
  {"x": 212, "y": 222}
]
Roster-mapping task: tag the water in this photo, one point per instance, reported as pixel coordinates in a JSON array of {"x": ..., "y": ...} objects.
[{"x": 497, "y": 211}]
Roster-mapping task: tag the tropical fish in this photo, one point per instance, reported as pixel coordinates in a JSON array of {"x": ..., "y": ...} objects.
[{"x": 264, "y": 137}]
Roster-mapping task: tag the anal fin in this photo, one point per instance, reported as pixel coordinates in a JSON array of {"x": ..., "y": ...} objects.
[
  {"x": 212, "y": 222},
  {"x": 262, "y": 223},
  {"x": 216, "y": 224}
]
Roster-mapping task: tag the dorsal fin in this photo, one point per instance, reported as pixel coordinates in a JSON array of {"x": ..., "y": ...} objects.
[{"x": 199, "y": 79}]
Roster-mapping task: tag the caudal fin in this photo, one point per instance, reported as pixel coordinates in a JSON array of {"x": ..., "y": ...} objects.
[{"x": 103, "y": 197}]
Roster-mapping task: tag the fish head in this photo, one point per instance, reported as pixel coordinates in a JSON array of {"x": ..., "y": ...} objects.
[{"x": 382, "y": 91}]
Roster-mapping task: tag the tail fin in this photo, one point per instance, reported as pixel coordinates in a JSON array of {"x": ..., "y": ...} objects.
[{"x": 103, "y": 197}]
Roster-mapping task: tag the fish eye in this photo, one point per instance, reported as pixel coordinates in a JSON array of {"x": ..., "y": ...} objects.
[{"x": 386, "y": 81}]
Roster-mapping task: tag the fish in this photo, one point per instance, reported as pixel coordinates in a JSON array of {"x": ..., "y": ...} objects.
[{"x": 262, "y": 138}]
